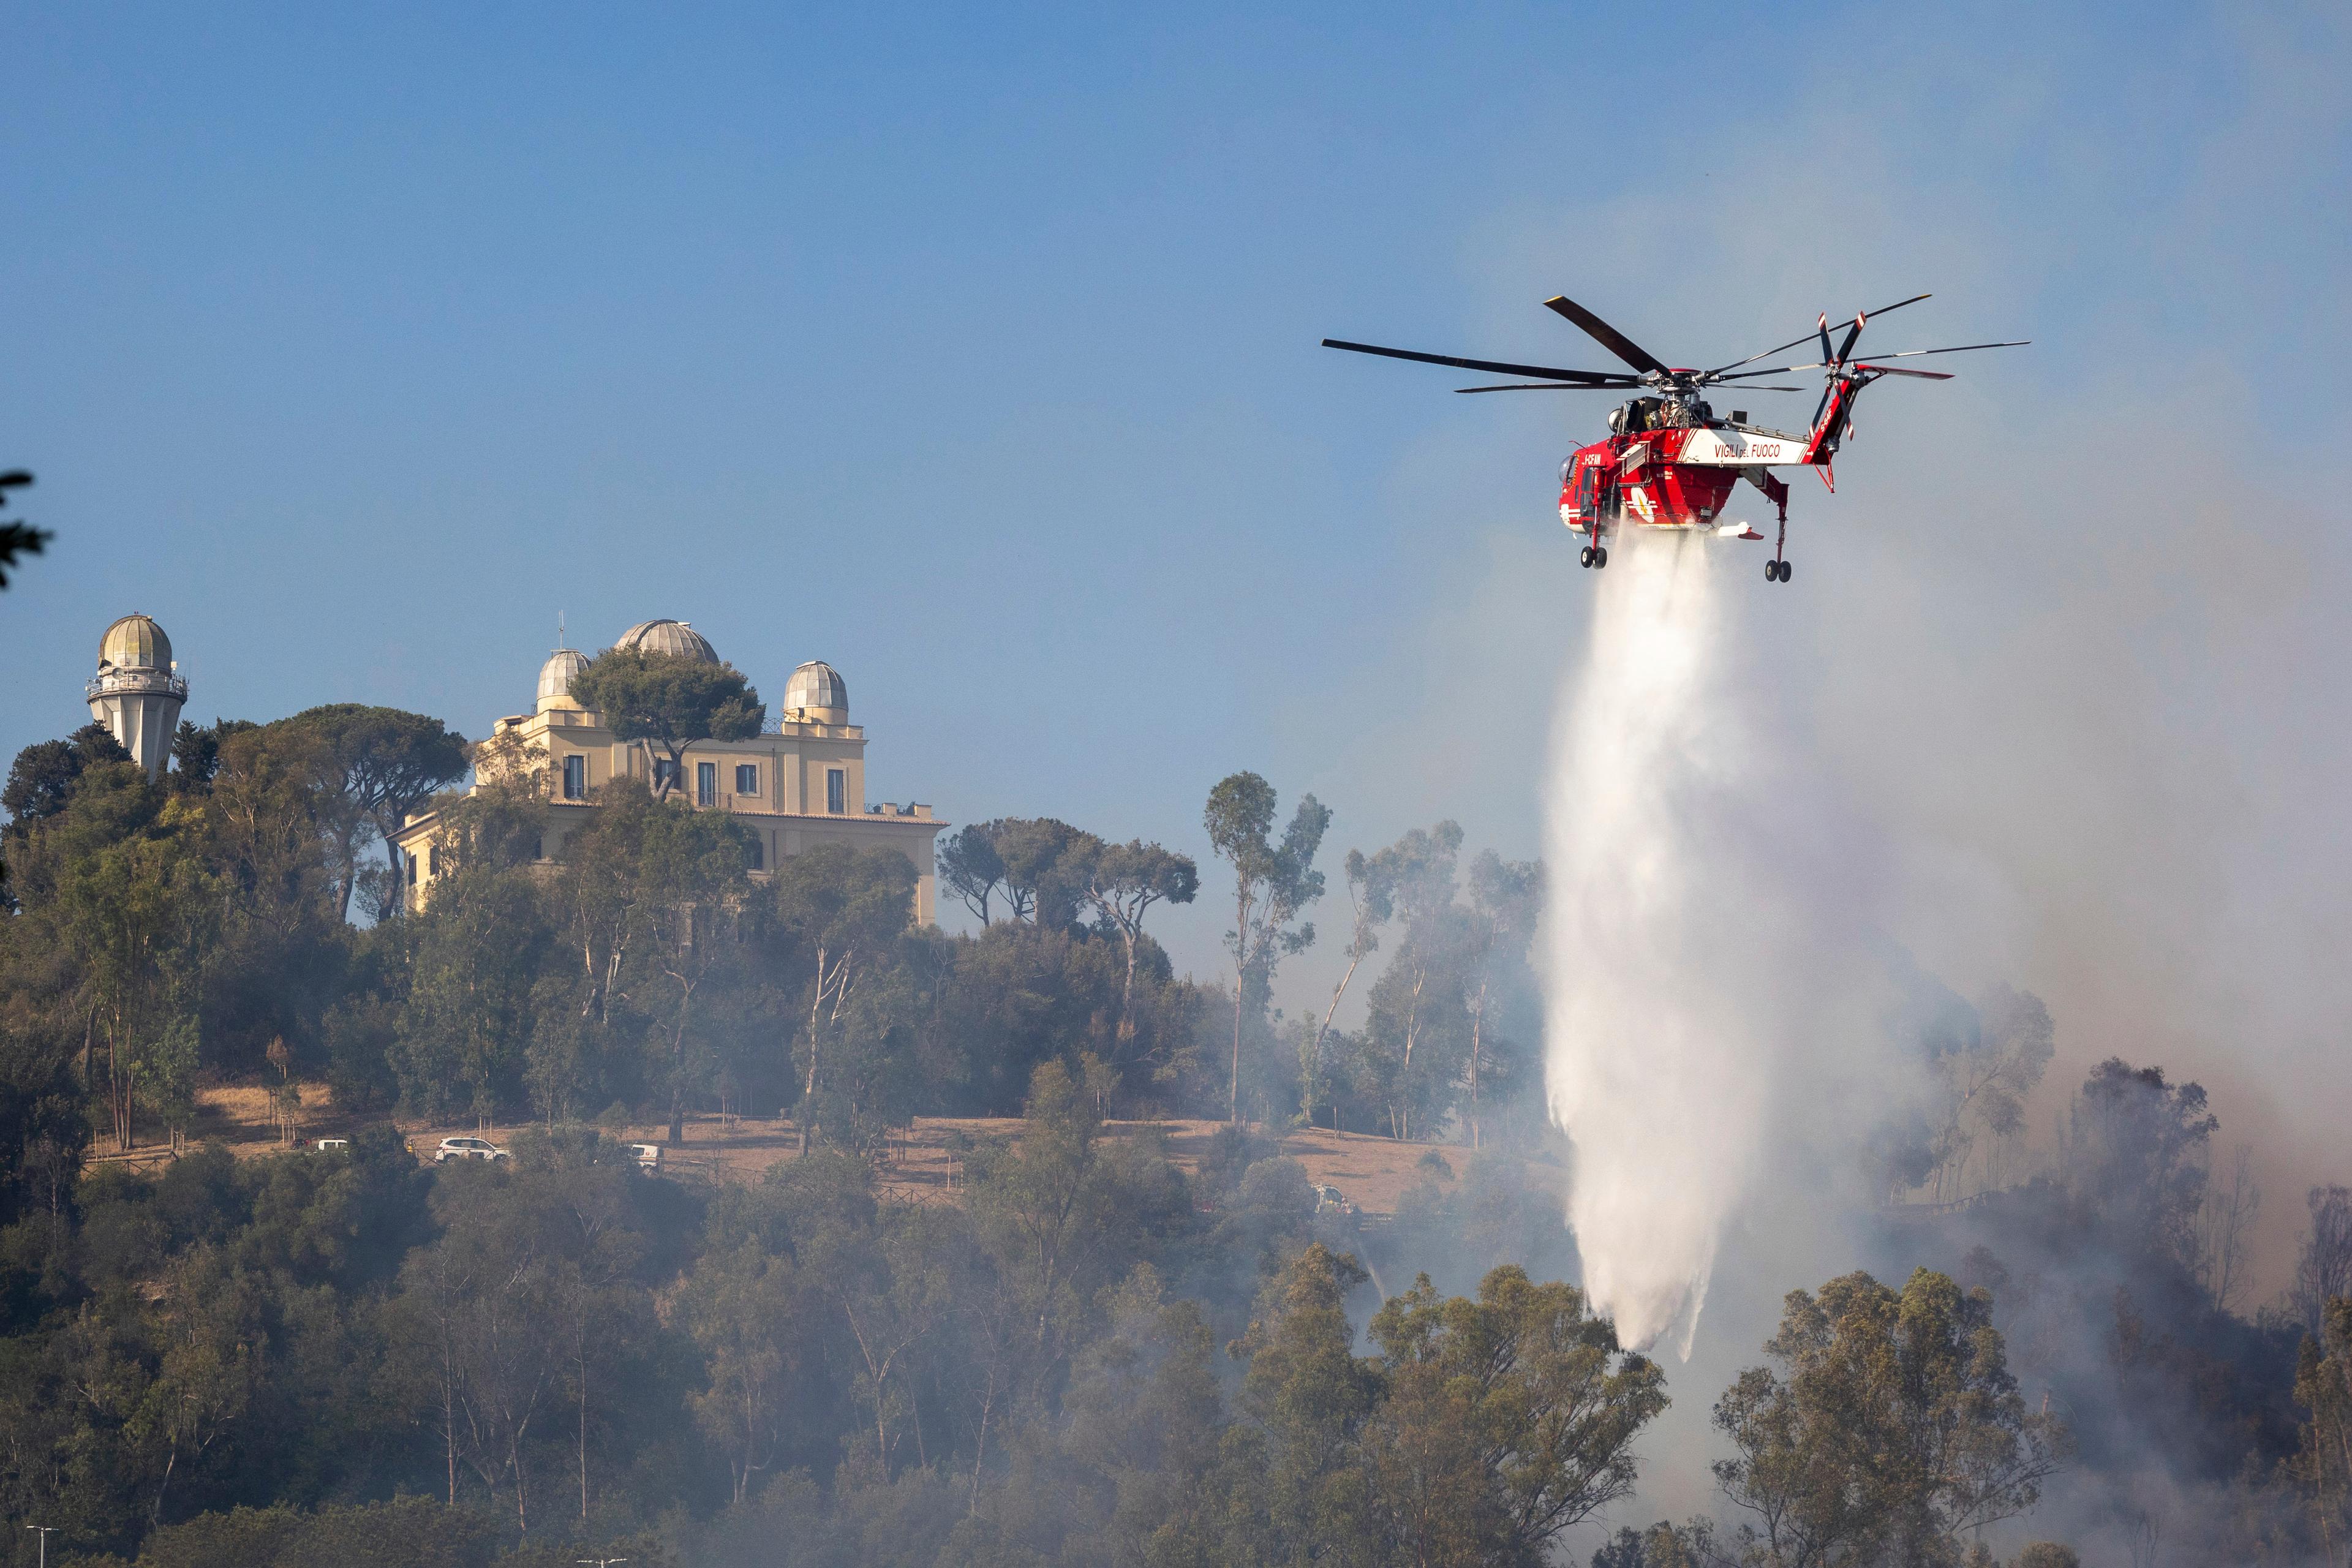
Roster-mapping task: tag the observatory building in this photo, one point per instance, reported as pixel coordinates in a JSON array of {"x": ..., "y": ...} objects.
[
  {"x": 138, "y": 691},
  {"x": 799, "y": 783}
]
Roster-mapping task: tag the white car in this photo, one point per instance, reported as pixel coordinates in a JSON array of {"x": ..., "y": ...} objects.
[
  {"x": 467, "y": 1149},
  {"x": 646, "y": 1155}
]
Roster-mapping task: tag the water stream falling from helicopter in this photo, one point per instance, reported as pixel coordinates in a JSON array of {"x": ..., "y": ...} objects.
[{"x": 1695, "y": 969}]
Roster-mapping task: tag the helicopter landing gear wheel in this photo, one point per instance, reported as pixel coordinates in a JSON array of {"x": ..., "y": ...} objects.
[
  {"x": 1584, "y": 556},
  {"x": 1776, "y": 571},
  {"x": 1784, "y": 571},
  {"x": 1601, "y": 555}
]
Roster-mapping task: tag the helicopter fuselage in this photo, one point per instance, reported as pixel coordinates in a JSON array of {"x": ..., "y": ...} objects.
[{"x": 1677, "y": 477}]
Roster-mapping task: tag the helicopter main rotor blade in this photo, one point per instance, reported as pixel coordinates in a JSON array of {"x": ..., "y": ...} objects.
[
  {"x": 1792, "y": 343},
  {"x": 1607, "y": 336},
  {"x": 1914, "y": 353},
  {"x": 1874, "y": 359},
  {"x": 1574, "y": 377},
  {"x": 1896, "y": 369},
  {"x": 1579, "y": 387},
  {"x": 1551, "y": 387}
]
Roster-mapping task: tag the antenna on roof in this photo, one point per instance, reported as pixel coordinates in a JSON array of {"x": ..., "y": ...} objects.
[{"x": 560, "y": 644}]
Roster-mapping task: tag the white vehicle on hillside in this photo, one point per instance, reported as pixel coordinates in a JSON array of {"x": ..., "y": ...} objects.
[{"x": 467, "y": 1149}]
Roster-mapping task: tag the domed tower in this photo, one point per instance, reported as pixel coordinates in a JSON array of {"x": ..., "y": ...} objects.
[
  {"x": 555, "y": 678},
  {"x": 137, "y": 692},
  {"x": 816, "y": 695},
  {"x": 670, "y": 636}
]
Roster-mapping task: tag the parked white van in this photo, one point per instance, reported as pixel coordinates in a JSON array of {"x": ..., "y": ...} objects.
[{"x": 648, "y": 1156}]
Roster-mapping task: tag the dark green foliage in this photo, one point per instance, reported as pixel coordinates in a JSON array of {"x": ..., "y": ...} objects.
[
  {"x": 384, "y": 763},
  {"x": 412, "y": 1532},
  {"x": 17, "y": 540},
  {"x": 668, "y": 701}
]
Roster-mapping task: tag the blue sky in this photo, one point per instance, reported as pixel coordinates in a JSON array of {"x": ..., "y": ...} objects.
[{"x": 972, "y": 349}]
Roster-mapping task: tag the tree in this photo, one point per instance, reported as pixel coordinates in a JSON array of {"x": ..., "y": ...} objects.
[
  {"x": 139, "y": 908},
  {"x": 195, "y": 752},
  {"x": 744, "y": 1308},
  {"x": 971, "y": 867},
  {"x": 17, "y": 540},
  {"x": 1503, "y": 1421},
  {"x": 1041, "y": 877},
  {"x": 693, "y": 869},
  {"x": 1273, "y": 883},
  {"x": 1124, "y": 881},
  {"x": 1368, "y": 899},
  {"x": 41, "y": 780},
  {"x": 834, "y": 910},
  {"x": 2322, "y": 1467},
  {"x": 479, "y": 950},
  {"x": 2137, "y": 1158},
  {"x": 1306, "y": 1397},
  {"x": 2227, "y": 1225},
  {"x": 668, "y": 701},
  {"x": 1891, "y": 1427},
  {"x": 1419, "y": 1026},
  {"x": 2323, "y": 1271},
  {"x": 1983, "y": 1079},
  {"x": 1506, "y": 901},
  {"x": 387, "y": 762}
]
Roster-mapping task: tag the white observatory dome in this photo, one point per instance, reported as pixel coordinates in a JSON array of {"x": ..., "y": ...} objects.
[
  {"x": 817, "y": 694},
  {"x": 555, "y": 678},
  {"x": 670, "y": 636},
  {"x": 135, "y": 642}
]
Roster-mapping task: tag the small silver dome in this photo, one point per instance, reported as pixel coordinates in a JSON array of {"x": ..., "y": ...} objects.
[
  {"x": 555, "y": 676},
  {"x": 817, "y": 692},
  {"x": 670, "y": 636}
]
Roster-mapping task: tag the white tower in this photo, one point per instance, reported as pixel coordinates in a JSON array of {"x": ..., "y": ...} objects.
[{"x": 137, "y": 692}]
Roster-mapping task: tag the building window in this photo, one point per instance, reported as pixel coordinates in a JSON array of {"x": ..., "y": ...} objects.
[
  {"x": 432, "y": 862},
  {"x": 665, "y": 775},
  {"x": 759, "y": 856},
  {"x": 412, "y": 882},
  {"x": 575, "y": 777},
  {"x": 706, "y": 783},
  {"x": 747, "y": 779},
  {"x": 837, "y": 791}
]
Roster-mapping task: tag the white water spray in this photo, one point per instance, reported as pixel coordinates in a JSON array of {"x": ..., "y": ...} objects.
[{"x": 1687, "y": 933}]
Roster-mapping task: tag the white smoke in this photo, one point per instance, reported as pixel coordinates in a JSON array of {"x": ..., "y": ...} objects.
[{"x": 1706, "y": 935}]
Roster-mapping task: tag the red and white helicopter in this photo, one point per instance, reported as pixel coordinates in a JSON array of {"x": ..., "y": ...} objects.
[{"x": 1668, "y": 461}]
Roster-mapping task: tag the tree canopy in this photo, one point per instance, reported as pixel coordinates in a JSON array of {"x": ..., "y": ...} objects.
[{"x": 668, "y": 701}]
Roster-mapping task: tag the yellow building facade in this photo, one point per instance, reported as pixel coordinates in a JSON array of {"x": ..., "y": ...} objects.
[{"x": 799, "y": 783}]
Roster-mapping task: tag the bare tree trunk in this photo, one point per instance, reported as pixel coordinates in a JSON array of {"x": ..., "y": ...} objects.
[
  {"x": 1477, "y": 1023},
  {"x": 1234, "y": 1095}
]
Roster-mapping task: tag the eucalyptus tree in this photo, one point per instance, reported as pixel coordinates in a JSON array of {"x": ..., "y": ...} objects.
[
  {"x": 1505, "y": 900},
  {"x": 1887, "y": 1428},
  {"x": 832, "y": 914},
  {"x": 1419, "y": 1026},
  {"x": 1274, "y": 881}
]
